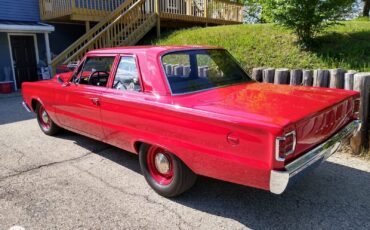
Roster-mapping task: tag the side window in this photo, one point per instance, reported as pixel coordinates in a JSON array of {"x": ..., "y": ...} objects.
[
  {"x": 127, "y": 76},
  {"x": 95, "y": 71}
]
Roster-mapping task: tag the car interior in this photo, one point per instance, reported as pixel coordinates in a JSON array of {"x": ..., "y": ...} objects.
[
  {"x": 95, "y": 71},
  {"x": 127, "y": 76}
]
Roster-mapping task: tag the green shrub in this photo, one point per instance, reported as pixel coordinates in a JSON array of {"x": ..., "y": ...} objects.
[{"x": 306, "y": 17}]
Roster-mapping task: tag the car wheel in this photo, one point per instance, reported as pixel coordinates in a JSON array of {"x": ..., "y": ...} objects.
[
  {"x": 46, "y": 124},
  {"x": 164, "y": 172}
]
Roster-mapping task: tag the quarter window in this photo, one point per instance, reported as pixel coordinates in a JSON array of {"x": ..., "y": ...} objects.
[{"x": 127, "y": 76}]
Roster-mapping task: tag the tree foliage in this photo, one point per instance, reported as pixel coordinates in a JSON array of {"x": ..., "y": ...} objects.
[{"x": 305, "y": 17}]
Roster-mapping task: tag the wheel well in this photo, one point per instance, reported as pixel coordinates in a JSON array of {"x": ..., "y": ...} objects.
[
  {"x": 34, "y": 103},
  {"x": 137, "y": 146}
]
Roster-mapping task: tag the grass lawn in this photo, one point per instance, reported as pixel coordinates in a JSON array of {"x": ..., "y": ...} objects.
[{"x": 346, "y": 46}]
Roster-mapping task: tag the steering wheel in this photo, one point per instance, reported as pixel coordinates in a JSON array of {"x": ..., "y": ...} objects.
[{"x": 90, "y": 78}]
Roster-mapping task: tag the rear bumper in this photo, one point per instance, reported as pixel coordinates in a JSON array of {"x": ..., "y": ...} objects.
[{"x": 279, "y": 180}]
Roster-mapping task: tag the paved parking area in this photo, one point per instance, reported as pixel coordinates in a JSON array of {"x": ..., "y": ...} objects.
[{"x": 73, "y": 182}]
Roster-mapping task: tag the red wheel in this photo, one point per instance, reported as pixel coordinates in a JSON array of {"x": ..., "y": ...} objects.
[
  {"x": 164, "y": 172},
  {"x": 45, "y": 122},
  {"x": 160, "y": 165}
]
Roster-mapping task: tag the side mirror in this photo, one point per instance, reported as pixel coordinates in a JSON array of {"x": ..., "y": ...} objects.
[
  {"x": 65, "y": 84},
  {"x": 62, "y": 81},
  {"x": 59, "y": 79}
]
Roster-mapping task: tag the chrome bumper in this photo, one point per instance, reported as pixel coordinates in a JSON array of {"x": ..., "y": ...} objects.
[
  {"x": 25, "y": 106},
  {"x": 279, "y": 180}
]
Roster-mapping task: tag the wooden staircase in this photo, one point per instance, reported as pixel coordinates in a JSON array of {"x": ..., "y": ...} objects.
[{"x": 124, "y": 26}]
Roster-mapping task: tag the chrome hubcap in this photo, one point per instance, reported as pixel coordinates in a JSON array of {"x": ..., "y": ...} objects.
[
  {"x": 45, "y": 117},
  {"x": 162, "y": 163}
]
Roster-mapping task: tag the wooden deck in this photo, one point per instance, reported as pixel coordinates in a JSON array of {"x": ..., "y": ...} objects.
[{"x": 197, "y": 11}]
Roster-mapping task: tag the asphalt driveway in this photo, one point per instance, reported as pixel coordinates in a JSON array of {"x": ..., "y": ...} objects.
[{"x": 72, "y": 182}]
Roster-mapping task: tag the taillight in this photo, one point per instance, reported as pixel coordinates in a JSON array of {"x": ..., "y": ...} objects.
[
  {"x": 285, "y": 145},
  {"x": 356, "y": 108}
]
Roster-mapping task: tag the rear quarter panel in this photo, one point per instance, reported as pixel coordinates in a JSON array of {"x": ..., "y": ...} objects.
[{"x": 197, "y": 138}]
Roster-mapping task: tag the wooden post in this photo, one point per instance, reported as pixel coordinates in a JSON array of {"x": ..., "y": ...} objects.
[
  {"x": 168, "y": 69},
  {"x": 321, "y": 78},
  {"x": 307, "y": 76},
  {"x": 87, "y": 26},
  {"x": 282, "y": 76},
  {"x": 157, "y": 9},
  {"x": 348, "y": 80},
  {"x": 337, "y": 78},
  {"x": 179, "y": 71},
  {"x": 257, "y": 74},
  {"x": 268, "y": 75},
  {"x": 205, "y": 8},
  {"x": 201, "y": 71},
  {"x": 296, "y": 77},
  {"x": 188, "y": 7},
  {"x": 360, "y": 142},
  {"x": 187, "y": 70},
  {"x": 73, "y": 6}
]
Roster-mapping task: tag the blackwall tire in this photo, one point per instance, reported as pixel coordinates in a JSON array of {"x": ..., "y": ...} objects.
[
  {"x": 46, "y": 124},
  {"x": 168, "y": 181}
]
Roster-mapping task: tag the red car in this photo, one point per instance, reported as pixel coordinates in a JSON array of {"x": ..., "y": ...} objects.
[{"x": 189, "y": 111}]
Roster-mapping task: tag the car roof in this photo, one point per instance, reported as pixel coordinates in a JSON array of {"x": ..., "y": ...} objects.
[{"x": 147, "y": 49}]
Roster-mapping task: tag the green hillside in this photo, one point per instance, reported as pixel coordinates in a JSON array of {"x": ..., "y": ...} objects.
[{"x": 346, "y": 46}]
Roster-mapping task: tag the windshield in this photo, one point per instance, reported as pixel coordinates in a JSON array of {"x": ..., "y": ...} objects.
[{"x": 195, "y": 70}]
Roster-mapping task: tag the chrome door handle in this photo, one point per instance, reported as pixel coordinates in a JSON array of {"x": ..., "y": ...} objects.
[{"x": 95, "y": 101}]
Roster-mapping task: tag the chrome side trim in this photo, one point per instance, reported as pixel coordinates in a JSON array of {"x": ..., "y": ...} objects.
[
  {"x": 279, "y": 180},
  {"x": 25, "y": 106}
]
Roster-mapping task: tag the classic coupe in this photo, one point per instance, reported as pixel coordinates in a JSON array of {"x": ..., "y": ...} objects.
[{"x": 192, "y": 110}]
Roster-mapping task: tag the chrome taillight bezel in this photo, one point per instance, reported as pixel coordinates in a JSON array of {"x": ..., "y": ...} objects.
[{"x": 278, "y": 143}]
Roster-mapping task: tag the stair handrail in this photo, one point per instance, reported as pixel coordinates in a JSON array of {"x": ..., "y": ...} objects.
[
  {"x": 110, "y": 25},
  {"x": 107, "y": 20}
]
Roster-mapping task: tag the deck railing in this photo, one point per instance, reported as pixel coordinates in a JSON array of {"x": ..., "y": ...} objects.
[
  {"x": 223, "y": 10},
  {"x": 50, "y": 9},
  {"x": 206, "y": 9},
  {"x": 55, "y": 8}
]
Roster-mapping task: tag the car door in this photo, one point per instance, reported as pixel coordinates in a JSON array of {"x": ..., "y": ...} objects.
[
  {"x": 121, "y": 104},
  {"x": 77, "y": 103}
]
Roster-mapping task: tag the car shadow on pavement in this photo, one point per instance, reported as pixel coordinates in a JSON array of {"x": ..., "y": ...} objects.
[
  {"x": 11, "y": 110},
  {"x": 116, "y": 155},
  {"x": 333, "y": 196}
]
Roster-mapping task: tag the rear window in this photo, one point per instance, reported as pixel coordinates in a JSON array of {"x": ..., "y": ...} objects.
[{"x": 196, "y": 70}]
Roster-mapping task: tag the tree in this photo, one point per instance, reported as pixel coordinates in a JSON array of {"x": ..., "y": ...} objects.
[
  {"x": 366, "y": 10},
  {"x": 305, "y": 17},
  {"x": 253, "y": 11}
]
